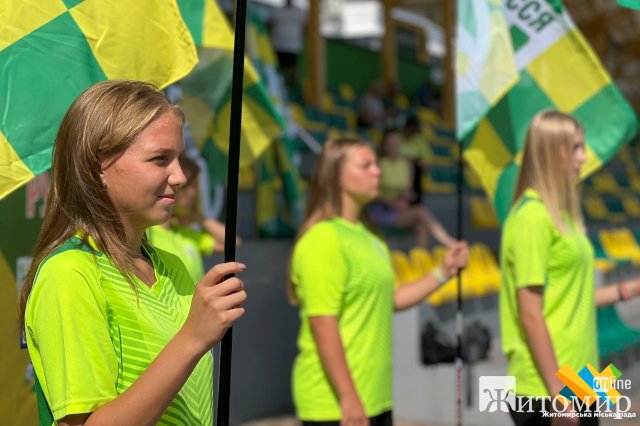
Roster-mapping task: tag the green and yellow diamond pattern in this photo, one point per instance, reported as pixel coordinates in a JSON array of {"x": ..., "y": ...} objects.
[
  {"x": 565, "y": 76},
  {"x": 51, "y": 50},
  {"x": 207, "y": 90}
]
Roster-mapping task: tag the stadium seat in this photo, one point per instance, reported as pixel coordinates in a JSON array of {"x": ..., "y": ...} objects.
[
  {"x": 442, "y": 180},
  {"x": 620, "y": 244},
  {"x": 402, "y": 268},
  {"x": 631, "y": 205},
  {"x": 421, "y": 260},
  {"x": 402, "y": 101},
  {"x": 347, "y": 93},
  {"x": 428, "y": 115},
  {"x": 596, "y": 210},
  {"x": 605, "y": 183}
]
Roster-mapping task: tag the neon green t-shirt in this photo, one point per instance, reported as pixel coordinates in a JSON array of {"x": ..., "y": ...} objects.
[
  {"x": 90, "y": 336},
  {"x": 395, "y": 177},
  {"x": 535, "y": 252},
  {"x": 341, "y": 269},
  {"x": 188, "y": 244}
]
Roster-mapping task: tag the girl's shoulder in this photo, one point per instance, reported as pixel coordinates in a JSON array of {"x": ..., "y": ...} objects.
[
  {"x": 529, "y": 210},
  {"x": 325, "y": 230}
]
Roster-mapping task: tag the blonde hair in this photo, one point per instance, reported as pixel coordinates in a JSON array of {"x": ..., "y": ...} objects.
[
  {"x": 325, "y": 191},
  {"x": 98, "y": 128},
  {"x": 546, "y": 166}
]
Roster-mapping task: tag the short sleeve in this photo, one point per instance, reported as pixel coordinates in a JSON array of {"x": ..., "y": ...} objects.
[
  {"x": 68, "y": 333},
  {"x": 532, "y": 245},
  {"x": 319, "y": 271}
]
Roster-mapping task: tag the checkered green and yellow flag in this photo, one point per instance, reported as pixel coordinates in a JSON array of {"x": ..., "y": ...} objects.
[
  {"x": 276, "y": 171},
  {"x": 557, "y": 70},
  {"x": 207, "y": 90},
  {"x": 51, "y": 50},
  {"x": 485, "y": 66}
]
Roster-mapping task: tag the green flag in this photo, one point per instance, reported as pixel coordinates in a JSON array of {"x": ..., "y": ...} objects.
[
  {"x": 51, "y": 50},
  {"x": 632, "y": 4},
  {"x": 276, "y": 217},
  {"x": 207, "y": 90},
  {"x": 557, "y": 70},
  {"x": 485, "y": 65}
]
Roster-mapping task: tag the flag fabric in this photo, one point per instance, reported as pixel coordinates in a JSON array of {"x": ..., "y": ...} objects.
[
  {"x": 276, "y": 216},
  {"x": 557, "y": 70},
  {"x": 631, "y": 4},
  {"x": 485, "y": 65},
  {"x": 207, "y": 90},
  {"x": 51, "y": 50}
]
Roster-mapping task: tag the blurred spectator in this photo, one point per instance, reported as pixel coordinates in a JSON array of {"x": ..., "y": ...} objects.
[
  {"x": 394, "y": 208},
  {"x": 287, "y": 26},
  {"x": 371, "y": 107},
  {"x": 416, "y": 149}
]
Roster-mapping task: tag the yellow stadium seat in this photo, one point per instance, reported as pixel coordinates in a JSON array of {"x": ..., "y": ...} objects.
[
  {"x": 489, "y": 265},
  {"x": 327, "y": 102},
  {"x": 596, "y": 209},
  {"x": 605, "y": 183},
  {"x": 631, "y": 205},
  {"x": 402, "y": 101},
  {"x": 346, "y": 92},
  {"x": 620, "y": 244},
  {"x": 428, "y": 115},
  {"x": 402, "y": 268},
  {"x": 421, "y": 260}
]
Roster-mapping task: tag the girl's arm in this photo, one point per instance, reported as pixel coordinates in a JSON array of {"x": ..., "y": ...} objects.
[
  {"x": 215, "y": 306},
  {"x": 411, "y": 294},
  {"x": 614, "y": 293},
  {"x": 331, "y": 351},
  {"x": 538, "y": 337}
]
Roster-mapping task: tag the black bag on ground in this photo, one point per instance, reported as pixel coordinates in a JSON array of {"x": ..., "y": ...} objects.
[
  {"x": 436, "y": 347},
  {"x": 476, "y": 342}
]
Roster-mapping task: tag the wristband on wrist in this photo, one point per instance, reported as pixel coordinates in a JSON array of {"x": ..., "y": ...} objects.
[{"x": 439, "y": 276}]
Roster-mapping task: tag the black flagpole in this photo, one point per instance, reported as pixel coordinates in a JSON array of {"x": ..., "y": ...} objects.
[
  {"x": 452, "y": 14},
  {"x": 235, "y": 129}
]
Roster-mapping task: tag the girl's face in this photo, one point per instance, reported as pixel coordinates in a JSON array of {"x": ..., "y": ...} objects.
[
  {"x": 578, "y": 155},
  {"x": 144, "y": 181},
  {"x": 360, "y": 175}
]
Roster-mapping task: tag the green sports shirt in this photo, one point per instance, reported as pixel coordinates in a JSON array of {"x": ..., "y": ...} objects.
[
  {"x": 90, "y": 336},
  {"x": 188, "y": 244},
  {"x": 535, "y": 253},
  {"x": 341, "y": 269}
]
